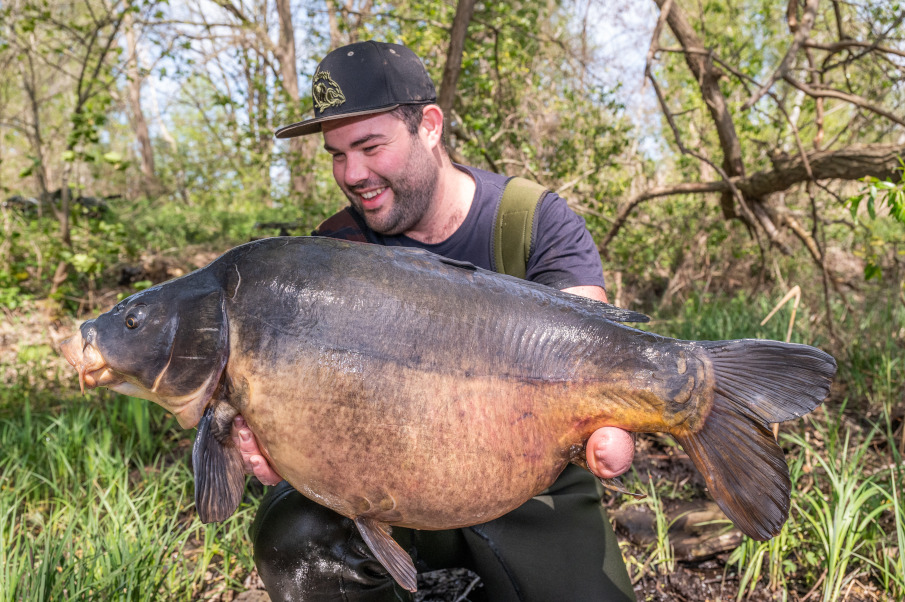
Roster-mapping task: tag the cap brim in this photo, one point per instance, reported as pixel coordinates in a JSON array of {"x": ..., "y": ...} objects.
[{"x": 312, "y": 126}]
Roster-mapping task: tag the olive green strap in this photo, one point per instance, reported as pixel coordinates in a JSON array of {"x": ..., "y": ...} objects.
[{"x": 513, "y": 225}]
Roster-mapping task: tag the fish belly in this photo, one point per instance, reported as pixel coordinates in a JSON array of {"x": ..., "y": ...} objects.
[{"x": 416, "y": 449}]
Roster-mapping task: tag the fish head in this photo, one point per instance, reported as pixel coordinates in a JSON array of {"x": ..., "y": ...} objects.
[{"x": 167, "y": 344}]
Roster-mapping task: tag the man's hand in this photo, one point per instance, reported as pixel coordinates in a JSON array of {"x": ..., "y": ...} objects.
[
  {"x": 610, "y": 452},
  {"x": 255, "y": 463}
]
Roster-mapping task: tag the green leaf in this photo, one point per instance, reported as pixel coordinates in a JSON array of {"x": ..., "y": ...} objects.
[
  {"x": 853, "y": 203},
  {"x": 872, "y": 271},
  {"x": 69, "y": 156}
]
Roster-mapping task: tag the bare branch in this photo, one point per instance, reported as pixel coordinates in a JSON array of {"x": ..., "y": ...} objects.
[
  {"x": 801, "y": 35},
  {"x": 853, "y": 163},
  {"x": 849, "y": 98},
  {"x": 844, "y": 44}
]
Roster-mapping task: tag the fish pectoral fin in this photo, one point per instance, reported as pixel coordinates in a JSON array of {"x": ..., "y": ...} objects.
[
  {"x": 390, "y": 554},
  {"x": 615, "y": 484},
  {"x": 219, "y": 475}
]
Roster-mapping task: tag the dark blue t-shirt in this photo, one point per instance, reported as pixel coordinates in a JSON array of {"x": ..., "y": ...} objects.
[{"x": 563, "y": 254}]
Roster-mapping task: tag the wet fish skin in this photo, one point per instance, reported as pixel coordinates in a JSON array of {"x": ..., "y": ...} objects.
[{"x": 398, "y": 387}]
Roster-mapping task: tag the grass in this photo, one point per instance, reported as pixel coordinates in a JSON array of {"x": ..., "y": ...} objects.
[{"x": 96, "y": 503}]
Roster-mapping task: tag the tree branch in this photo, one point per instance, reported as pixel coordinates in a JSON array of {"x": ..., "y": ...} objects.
[
  {"x": 802, "y": 32},
  {"x": 853, "y": 163},
  {"x": 849, "y": 98}
]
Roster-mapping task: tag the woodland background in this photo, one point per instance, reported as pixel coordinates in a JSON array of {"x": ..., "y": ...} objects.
[{"x": 726, "y": 155}]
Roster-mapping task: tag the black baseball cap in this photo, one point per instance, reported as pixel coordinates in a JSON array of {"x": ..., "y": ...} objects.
[{"x": 364, "y": 78}]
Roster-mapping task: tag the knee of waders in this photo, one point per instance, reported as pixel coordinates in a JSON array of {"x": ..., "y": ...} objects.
[{"x": 304, "y": 551}]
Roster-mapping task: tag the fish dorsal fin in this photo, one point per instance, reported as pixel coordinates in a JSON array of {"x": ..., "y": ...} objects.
[
  {"x": 390, "y": 554},
  {"x": 618, "y": 314},
  {"x": 219, "y": 475}
]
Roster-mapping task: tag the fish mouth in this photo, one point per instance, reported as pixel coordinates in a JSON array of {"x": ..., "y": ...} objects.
[{"x": 84, "y": 357}]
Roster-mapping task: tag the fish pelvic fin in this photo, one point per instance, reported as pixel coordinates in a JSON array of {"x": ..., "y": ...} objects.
[
  {"x": 755, "y": 383},
  {"x": 394, "y": 559},
  {"x": 219, "y": 474}
]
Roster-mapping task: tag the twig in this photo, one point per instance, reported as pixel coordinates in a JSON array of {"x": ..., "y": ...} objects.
[
  {"x": 746, "y": 210},
  {"x": 468, "y": 589},
  {"x": 816, "y": 585},
  {"x": 849, "y": 98},
  {"x": 837, "y": 46},
  {"x": 801, "y": 35},
  {"x": 794, "y": 293},
  {"x": 686, "y": 188}
]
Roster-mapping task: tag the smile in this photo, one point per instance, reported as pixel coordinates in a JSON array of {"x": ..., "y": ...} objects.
[{"x": 370, "y": 195}]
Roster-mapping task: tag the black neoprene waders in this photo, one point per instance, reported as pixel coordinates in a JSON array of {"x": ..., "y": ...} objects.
[{"x": 558, "y": 546}]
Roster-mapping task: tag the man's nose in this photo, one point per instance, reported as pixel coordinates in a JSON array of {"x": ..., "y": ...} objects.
[{"x": 356, "y": 170}]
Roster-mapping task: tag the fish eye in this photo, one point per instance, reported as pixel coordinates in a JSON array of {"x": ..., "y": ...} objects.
[{"x": 135, "y": 316}]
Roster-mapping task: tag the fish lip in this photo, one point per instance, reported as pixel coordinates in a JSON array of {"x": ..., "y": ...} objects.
[{"x": 92, "y": 368}]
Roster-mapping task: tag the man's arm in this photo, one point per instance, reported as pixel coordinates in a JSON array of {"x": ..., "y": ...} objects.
[{"x": 610, "y": 450}]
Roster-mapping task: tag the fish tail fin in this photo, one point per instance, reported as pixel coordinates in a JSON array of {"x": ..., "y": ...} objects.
[{"x": 755, "y": 383}]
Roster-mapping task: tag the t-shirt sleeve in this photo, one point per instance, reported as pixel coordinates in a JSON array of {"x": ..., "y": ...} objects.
[
  {"x": 345, "y": 225},
  {"x": 564, "y": 253}
]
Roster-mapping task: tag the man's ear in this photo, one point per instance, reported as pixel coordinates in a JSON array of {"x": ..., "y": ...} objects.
[{"x": 432, "y": 126}]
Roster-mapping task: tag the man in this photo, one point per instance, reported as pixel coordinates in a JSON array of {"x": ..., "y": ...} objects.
[{"x": 375, "y": 105}]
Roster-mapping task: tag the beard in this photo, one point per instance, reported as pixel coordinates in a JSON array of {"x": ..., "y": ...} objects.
[{"x": 413, "y": 191}]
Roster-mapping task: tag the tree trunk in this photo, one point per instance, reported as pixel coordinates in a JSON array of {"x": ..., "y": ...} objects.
[
  {"x": 447, "y": 96},
  {"x": 300, "y": 180},
  {"x": 707, "y": 76},
  {"x": 139, "y": 123}
]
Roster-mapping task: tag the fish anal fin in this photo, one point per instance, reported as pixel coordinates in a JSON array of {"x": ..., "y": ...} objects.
[
  {"x": 745, "y": 470},
  {"x": 219, "y": 474},
  {"x": 390, "y": 554}
]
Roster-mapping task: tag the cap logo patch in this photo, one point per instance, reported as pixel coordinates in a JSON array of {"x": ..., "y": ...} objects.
[{"x": 326, "y": 92}]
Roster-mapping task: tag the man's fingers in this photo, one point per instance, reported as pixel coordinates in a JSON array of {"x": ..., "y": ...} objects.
[
  {"x": 610, "y": 452},
  {"x": 252, "y": 459}
]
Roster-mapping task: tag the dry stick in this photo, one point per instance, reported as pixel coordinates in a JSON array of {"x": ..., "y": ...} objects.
[
  {"x": 801, "y": 35},
  {"x": 794, "y": 293},
  {"x": 468, "y": 589},
  {"x": 816, "y": 586}
]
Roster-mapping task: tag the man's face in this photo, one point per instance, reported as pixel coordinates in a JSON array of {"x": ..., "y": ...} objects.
[{"x": 388, "y": 174}]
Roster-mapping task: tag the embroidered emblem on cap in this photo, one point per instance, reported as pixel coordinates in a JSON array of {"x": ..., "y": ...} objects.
[{"x": 326, "y": 92}]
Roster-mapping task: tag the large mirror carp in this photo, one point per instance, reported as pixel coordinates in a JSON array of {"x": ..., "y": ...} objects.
[{"x": 401, "y": 388}]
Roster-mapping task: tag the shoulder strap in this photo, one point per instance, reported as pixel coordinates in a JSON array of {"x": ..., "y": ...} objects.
[{"x": 513, "y": 226}]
